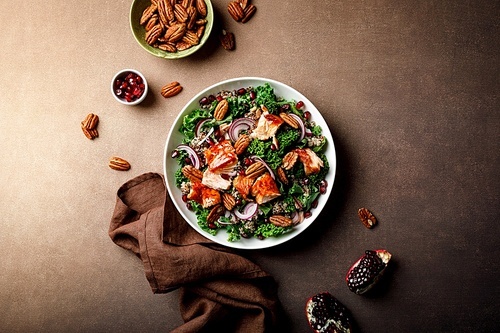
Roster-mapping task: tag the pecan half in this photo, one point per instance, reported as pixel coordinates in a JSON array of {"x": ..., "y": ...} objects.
[
  {"x": 191, "y": 38},
  {"x": 215, "y": 213},
  {"x": 192, "y": 13},
  {"x": 166, "y": 12},
  {"x": 291, "y": 121},
  {"x": 117, "y": 163},
  {"x": 200, "y": 30},
  {"x": 187, "y": 3},
  {"x": 282, "y": 175},
  {"x": 289, "y": 160},
  {"x": 180, "y": 13},
  {"x": 171, "y": 89},
  {"x": 151, "y": 22},
  {"x": 235, "y": 10},
  {"x": 201, "y": 7},
  {"x": 248, "y": 13},
  {"x": 241, "y": 144},
  {"x": 182, "y": 45},
  {"x": 147, "y": 14},
  {"x": 227, "y": 40},
  {"x": 193, "y": 174},
  {"x": 228, "y": 200},
  {"x": 255, "y": 170},
  {"x": 367, "y": 218},
  {"x": 89, "y": 126},
  {"x": 280, "y": 221},
  {"x": 153, "y": 34},
  {"x": 175, "y": 32},
  {"x": 167, "y": 47},
  {"x": 243, "y": 3},
  {"x": 221, "y": 109}
]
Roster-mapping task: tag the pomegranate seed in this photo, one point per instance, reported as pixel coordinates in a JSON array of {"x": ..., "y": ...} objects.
[
  {"x": 219, "y": 98},
  {"x": 299, "y": 105},
  {"x": 307, "y": 214},
  {"x": 247, "y": 161},
  {"x": 212, "y": 226},
  {"x": 273, "y": 147},
  {"x": 285, "y": 107},
  {"x": 241, "y": 91},
  {"x": 314, "y": 203},
  {"x": 307, "y": 115},
  {"x": 189, "y": 206},
  {"x": 187, "y": 161},
  {"x": 204, "y": 101},
  {"x": 184, "y": 197},
  {"x": 211, "y": 98},
  {"x": 124, "y": 85},
  {"x": 253, "y": 95},
  {"x": 322, "y": 189}
]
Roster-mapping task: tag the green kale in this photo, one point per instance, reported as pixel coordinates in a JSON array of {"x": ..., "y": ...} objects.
[
  {"x": 286, "y": 139},
  {"x": 189, "y": 122},
  {"x": 201, "y": 214},
  {"x": 239, "y": 105},
  {"x": 265, "y": 96},
  {"x": 270, "y": 230}
]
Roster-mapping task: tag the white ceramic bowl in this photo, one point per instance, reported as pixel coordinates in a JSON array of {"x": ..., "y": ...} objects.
[
  {"x": 123, "y": 73},
  {"x": 175, "y": 137}
]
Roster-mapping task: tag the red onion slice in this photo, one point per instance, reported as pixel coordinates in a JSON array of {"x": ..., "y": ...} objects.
[
  {"x": 210, "y": 131},
  {"x": 257, "y": 158},
  {"x": 239, "y": 125},
  {"x": 301, "y": 125},
  {"x": 199, "y": 125},
  {"x": 248, "y": 211},
  {"x": 193, "y": 156}
]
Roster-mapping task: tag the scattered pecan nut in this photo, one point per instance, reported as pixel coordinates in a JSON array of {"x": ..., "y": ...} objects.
[
  {"x": 241, "y": 145},
  {"x": 282, "y": 175},
  {"x": 289, "y": 160},
  {"x": 175, "y": 32},
  {"x": 290, "y": 120},
  {"x": 280, "y": 221},
  {"x": 89, "y": 126},
  {"x": 221, "y": 109},
  {"x": 180, "y": 13},
  {"x": 235, "y": 10},
  {"x": 227, "y": 40},
  {"x": 117, "y": 163},
  {"x": 228, "y": 200},
  {"x": 367, "y": 218},
  {"x": 215, "y": 213},
  {"x": 244, "y": 3},
  {"x": 255, "y": 170},
  {"x": 193, "y": 174},
  {"x": 248, "y": 12},
  {"x": 171, "y": 89}
]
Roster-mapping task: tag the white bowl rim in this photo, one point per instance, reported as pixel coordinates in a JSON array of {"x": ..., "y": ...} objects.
[
  {"x": 253, "y": 243},
  {"x": 121, "y": 72}
]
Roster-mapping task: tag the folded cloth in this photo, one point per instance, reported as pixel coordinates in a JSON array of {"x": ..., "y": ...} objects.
[{"x": 220, "y": 290}]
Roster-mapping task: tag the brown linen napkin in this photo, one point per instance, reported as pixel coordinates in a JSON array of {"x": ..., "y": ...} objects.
[{"x": 220, "y": 290}]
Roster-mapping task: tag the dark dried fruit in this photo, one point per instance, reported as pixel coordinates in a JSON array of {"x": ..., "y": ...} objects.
[
  {"x": 326, "y": 314},
  {"x": 366, "y": 272}
]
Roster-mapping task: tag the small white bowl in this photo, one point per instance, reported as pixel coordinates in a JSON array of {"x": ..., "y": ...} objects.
[{"x": 123, "y": 73}]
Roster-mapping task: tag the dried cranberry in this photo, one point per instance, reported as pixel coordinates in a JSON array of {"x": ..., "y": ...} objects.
[{"x": 299, "y": 105}]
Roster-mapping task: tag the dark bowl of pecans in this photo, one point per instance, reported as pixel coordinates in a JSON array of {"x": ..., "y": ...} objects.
[{"x": 171, "y": 29}]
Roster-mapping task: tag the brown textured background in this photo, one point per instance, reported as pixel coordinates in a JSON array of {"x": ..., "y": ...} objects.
[{"x": 409, "y": 89}]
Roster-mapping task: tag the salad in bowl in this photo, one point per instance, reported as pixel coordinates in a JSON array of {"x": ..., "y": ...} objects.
[{"x": 250, "y": 168}]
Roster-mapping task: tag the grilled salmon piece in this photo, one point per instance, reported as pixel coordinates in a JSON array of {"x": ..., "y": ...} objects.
[
  {"x": 267, "y": 126},
  {"x": 221, "y": 157},
  {"x": 312, "y": 163},
  {"x": 243, "y": 185},
  {"x": 205, "y": 196},
  {"x": 265, "y": 189}
]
